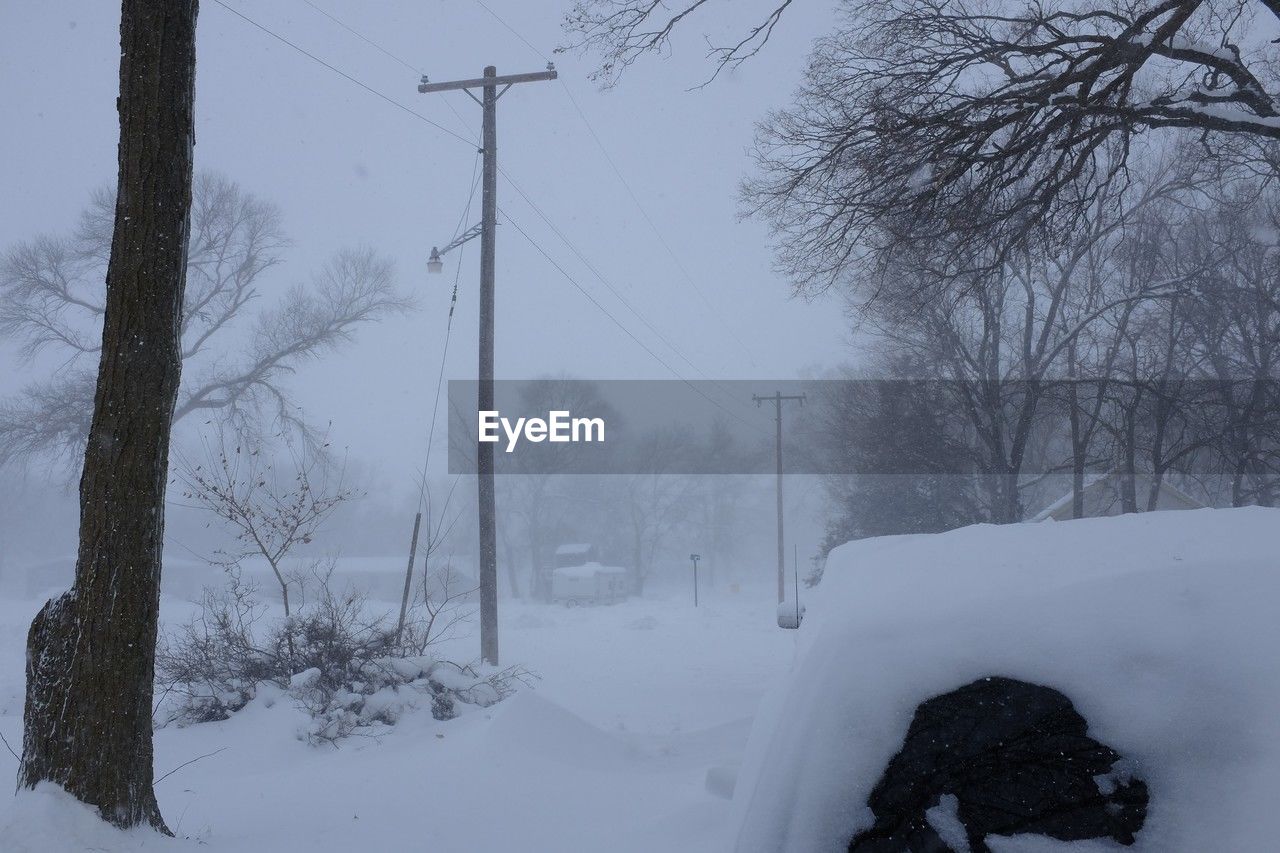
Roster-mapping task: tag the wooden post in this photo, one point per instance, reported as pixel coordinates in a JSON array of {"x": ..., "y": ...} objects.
[{"x": 408, "y": 576}]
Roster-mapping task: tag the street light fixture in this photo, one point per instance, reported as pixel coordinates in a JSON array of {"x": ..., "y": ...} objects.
[{"x": 435, "y": 263}]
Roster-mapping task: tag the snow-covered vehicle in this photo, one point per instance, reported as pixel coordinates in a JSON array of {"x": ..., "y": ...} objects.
[
  {"x": 590, "y": 583},
  {"x": 1150, "y": 623}
]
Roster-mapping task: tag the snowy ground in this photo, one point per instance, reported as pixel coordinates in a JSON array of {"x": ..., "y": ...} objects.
[
  {"x": 609, "y": 751},
  {"x": 1162, "y": 628}
]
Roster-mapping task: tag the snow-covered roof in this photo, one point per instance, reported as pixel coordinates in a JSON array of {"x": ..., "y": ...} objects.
[
  {"x": 589, "y": 570},
  {"x": 1094, "y": 483},
  {"x": 576, "y": 548}
]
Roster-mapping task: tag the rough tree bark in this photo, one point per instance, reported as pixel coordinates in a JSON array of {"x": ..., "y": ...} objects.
[{"x": 91, "y": 652}]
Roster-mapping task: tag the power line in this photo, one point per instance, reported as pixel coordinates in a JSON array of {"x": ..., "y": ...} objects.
[
  {"x": 453, "y": 300},
  {"x": 344, "y": 74},
  {"x": 513, "y": 30},
  {"x": 587, "y": 293},
  {"x": 729, "y": 394},
  {"x": 505, "y": 174},
  {"x": 475, "y": 178},
  {"x": 618, "y": 322},
  {"x": 417, "y": 69},
  {"x": 448, "y": 333},
  {"x": 536, "y": 208},
  {"x": 574, "y": 249},
  {"x": 365, "y": 38},
  {"x": 604, "y": 149},
  {"x": 652, "y": 225}
]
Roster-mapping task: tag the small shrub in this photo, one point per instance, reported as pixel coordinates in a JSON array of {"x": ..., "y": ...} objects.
[{"x": 340, "y": 664}]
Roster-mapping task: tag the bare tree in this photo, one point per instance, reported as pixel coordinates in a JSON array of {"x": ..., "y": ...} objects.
[
  {"x": 431, "y": 528},
  {"x": 235, "y": 354},
  {"x": 1008, "y": 335},
  {"x": 270, "y": 512},
  {"x": 988, "y": 159},
  {"x": 448, "y": 603},
  {"x": 650, "y": 505},
  {"x": 1120, "y": 366},
  {"x": 533, "y": 490},
  {"x": 921, "y": 117},
  {"x": 1236, "y": 340},
  {"x": 91, "y": 651},
  {"x": 899, "y": 459}
]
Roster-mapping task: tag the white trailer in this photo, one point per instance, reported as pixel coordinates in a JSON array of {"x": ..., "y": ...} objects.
[{"x": 591, "y": 583}]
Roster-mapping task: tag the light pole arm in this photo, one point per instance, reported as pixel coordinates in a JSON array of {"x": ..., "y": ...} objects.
[{"x": 470, "y": 234}]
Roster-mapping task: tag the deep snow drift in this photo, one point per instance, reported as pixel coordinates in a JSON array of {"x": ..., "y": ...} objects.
[
  {"x": 608, "y": 751},
  {"x": 1161, "y": 627}
]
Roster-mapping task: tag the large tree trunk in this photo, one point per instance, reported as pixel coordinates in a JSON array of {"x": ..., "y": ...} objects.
[{"x": 91, "y": 652}]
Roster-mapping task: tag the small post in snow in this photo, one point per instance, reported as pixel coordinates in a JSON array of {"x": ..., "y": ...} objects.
[{"x": 695, "y": 558}]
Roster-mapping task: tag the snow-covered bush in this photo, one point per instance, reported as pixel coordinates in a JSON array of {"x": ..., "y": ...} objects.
[
  {"x": 210, "y": 666},
  {"x": 383, "y": 689},
  {"x": 334, "y": 656}
]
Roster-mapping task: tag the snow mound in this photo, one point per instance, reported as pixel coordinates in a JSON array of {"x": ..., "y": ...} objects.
[
  {"x": 49, "y": 819},
  {"x": 528, "y": 722},
  {"x": 1160, "y": 627}
]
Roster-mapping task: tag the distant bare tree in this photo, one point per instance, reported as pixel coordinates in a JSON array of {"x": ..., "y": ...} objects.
[
  {"x": 650, "y": 506},
  {"x": 1236, "y": 339},
  {"x": 1005, "y": 335},
  {"x": 235, "y": 354},
  {"x": 533, "y": 491}
]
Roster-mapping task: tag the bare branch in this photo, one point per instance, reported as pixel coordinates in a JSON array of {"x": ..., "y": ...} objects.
[
  {"x": 921, "y": 118},
  {"x": 622, "y": 31}
]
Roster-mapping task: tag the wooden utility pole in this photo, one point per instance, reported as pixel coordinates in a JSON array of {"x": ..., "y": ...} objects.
[
  {"x": 488, "y": 102},
  {"x": 778, "y": 399}
]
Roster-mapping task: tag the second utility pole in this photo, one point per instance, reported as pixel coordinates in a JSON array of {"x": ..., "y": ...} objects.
[
  {"x": 777, "y": 399},
  {"x": 488, "y": 239}
]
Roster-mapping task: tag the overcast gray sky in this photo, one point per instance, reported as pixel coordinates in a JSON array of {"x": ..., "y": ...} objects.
[{"x": 349, "y": 169}]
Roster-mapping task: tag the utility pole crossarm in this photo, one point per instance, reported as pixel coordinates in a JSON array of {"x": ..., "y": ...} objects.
[
  {"x": 777, "y": 397},
  {"x": 480, "y": 82}
]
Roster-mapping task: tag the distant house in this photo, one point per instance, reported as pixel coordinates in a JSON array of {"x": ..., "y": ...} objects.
[
  {"x": 565, "y": 556},
  {"x": 1102, "y": 497},
  {"x": 570, "y": 555}
]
